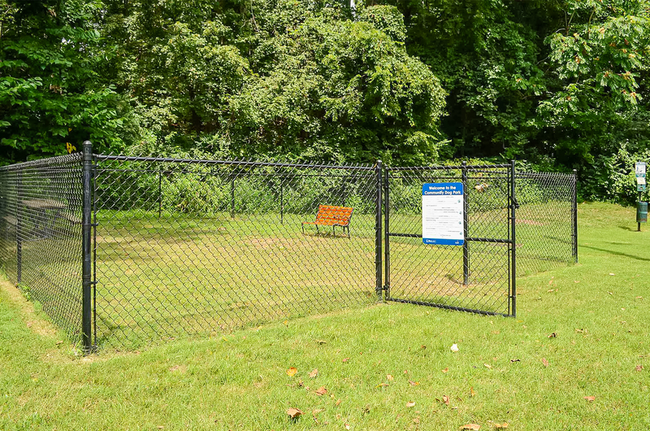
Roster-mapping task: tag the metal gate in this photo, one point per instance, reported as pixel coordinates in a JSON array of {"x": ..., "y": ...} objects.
[{"x": 477, "y": 275}]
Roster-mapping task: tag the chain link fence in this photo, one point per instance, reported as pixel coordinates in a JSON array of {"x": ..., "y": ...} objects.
[
  {"x": 547, "y": 231},
  {"x": 122, "y": 251},
  {"x": 40, "y": 241},
  {"x": 191, "y": 247}
]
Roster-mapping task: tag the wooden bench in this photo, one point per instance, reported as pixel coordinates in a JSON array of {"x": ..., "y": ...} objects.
[{"x": 330, "y": 215}]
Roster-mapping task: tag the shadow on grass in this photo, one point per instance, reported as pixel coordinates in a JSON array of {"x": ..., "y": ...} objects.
[{"x": 617, "y": 253}]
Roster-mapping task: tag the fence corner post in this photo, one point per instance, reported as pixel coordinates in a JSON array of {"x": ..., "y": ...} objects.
[
  {"x": 86, "y": 310},
  {"x": 378, "y": 230}
]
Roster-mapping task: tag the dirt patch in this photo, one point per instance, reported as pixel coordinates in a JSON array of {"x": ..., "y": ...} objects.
[{"x": 33, "y": 321}]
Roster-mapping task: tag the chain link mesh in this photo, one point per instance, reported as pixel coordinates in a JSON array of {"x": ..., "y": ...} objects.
[
  {"x": 472, "y": 277},
  {"x": 40, "y": 242},
  {"x": 546, "y": 230},
  {"x": 196, "y": 247}
]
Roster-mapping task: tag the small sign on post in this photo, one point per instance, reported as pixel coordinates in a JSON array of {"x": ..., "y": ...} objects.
[
  {"x": 442, "y": 214},
  {"x": 640, "y": 172}
]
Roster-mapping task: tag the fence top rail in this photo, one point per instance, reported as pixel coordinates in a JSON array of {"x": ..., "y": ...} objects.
[
  {"x": 249, "y": 163},
  {"x": 56, "y": 160},
  {"x": 446, "y": 168}
]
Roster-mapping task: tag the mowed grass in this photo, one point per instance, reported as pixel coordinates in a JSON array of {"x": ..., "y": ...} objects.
[{"x": 575, "y": 357}]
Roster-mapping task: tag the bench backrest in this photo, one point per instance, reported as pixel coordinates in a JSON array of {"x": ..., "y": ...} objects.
[{"x": 330, "y": 215}]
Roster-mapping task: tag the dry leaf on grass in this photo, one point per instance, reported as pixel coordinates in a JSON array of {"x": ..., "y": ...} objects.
[
  {"x": 314, "y": 373},
  {"x": 501, "y": 426},
  {"x": 445, "y": 399},
  {"x": 389, "y": 377},
  {"x": 545, "y": 362},
  {"x": 321, "y": 391},
  {"x": 346, "y": 359},
  {"x": 445, "y": 370},
  {"x": 294, "y": 413},
  {"x": 291, "y": 372},
  {"x": 412, "y": 383},
  {"x": 472, "y": 392},
  {"x": 410, "y": 404},
  {"x": 487, "y": 366},
  {"x": 553, "y": 335},
  {"x": 454, "y": 348},
  {"x": 590, "y": 398},
  {"x": 638, "y": 367},
  {"x": 474, "y": 427}
]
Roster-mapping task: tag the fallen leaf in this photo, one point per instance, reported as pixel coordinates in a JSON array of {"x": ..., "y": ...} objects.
[
  {"x": 638, "y": 297},
  {"x": 321, "y": 391},
  {"x": 445, "y": 370},
  {"x": 638, "y": 367},
  {"x": 291, "y": 372},
  {"x": 294, "y": 413},
  {"x": 545, "y": 362},
  {"x": 503, "y": 425},
  {"x": 445, "y": 399},
  {"x": 488, "y": 366},
  {"x": 553, "y": 335},
  {"x": 590, "y": 398},
  {"x": 389, "y": 377},
  {"x": 515, "y": 360},
  {"x": 382, "y": 385},
  {"x": 472, "y": 392},
  {"x": 347, "y": 426},
  {"x": 314, "y": 373},
  {"x": 416, "y": 420},
  {"x": 410, "y": 404},
  {"x": 611, "y": 273},
  {"x": 321, "y": 341},
  {"x": 474, "y": 427},
  {"x": 412, "y": 383},
  {"x": 346, "y": 359},
  {"x": 337, "y": 402},
  {"x": 454, "y": 348},
  {"x": 423, "y": 347},
  {"x": 317, "y": 411}
]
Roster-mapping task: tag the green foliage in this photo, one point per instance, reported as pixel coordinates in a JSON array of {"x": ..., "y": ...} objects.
[{"x": 49, "y": 94}]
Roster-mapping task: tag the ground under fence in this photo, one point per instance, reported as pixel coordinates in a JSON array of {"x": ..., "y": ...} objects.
[{"x": 122, "y": 251}]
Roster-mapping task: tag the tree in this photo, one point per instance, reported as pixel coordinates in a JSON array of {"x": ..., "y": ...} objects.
[{"x": 48, "y": 86}]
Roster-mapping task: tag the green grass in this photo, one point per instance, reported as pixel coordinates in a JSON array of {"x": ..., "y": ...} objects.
[{"x": 581, "y": 331}]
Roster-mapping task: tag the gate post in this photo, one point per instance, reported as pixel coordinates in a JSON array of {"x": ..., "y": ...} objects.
[
  {"x": 86, "y": 309},
  {"x": 378, "y": 251},
  {"x": 465, "y": 225}
]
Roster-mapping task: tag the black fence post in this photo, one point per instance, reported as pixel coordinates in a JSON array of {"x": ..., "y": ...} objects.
[
  {"x": 159, "y": 192},
  {"x": 513, "y": 238},
  {"x": 232, "y": 197},
  {"x": 465, "y": 226},
  {"x": 19, "y": 226},
  {"x": 281, "y": 201},
  {"x": 86, "y": 313},
  {"x": 574, "y": 210},
  {"x": 386, "y": 235},
  {"x": 378, "y": 239}
]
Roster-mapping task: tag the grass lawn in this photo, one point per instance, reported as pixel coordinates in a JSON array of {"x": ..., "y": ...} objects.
[{"x": 576, "y": 357}]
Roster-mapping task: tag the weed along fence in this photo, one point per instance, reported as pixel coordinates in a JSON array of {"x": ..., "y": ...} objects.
[{"x": 122, "y": 250}]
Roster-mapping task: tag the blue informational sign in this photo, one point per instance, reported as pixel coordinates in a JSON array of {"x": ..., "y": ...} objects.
[{"x": 443, "y": 214}]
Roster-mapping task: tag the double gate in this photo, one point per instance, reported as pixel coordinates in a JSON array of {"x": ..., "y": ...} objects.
[{"x": 478, "y": 273}]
